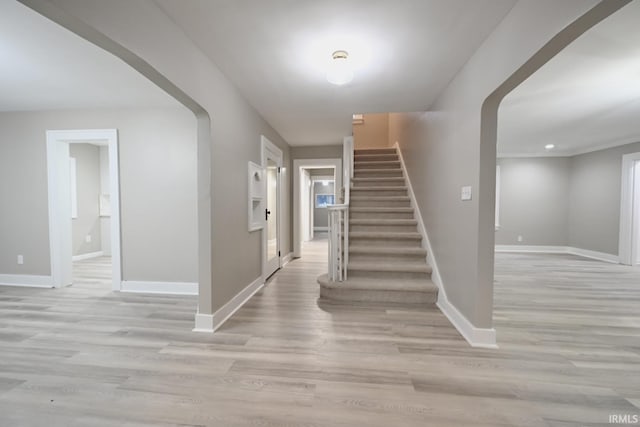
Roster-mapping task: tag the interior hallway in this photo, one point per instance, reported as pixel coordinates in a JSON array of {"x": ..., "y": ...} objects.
[{"x": 569, "y": 356}]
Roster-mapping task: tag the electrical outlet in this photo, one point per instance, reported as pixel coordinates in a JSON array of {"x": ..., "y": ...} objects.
[
  {"x": 520, "y": 239},
  {"x": 20, "y": 259},
  {"x": 88, "y": 238}
]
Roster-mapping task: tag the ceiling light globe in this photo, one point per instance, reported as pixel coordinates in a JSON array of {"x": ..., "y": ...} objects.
[{"x": 340, "y": 71}]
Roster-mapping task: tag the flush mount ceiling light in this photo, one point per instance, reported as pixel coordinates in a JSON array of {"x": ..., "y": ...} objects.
[
  {"x": 340, "y": 71},
  {"x": 549, "y": 147}
]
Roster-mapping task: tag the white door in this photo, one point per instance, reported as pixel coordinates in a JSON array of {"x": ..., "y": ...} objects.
[{"x": 272, "y": 163}]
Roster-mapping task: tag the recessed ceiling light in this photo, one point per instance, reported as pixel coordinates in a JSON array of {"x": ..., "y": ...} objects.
[
  {"x": 549, "y": 147},
  {"x": 340, "y": 71}
]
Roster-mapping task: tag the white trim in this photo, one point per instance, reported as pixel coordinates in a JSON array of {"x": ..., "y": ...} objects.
[
  {"x": 211, "y": 322},
  {"x": 25, "y": 280},
  {"x": 538, "y": 249},
  {"x": 59, "y": 199},
  {"x": 271, "y": 151},
  {"x": 600, "y": 256},
  {"x": 287, "y": 258},
  {"x": 169, "y": 288},
  {"x": 320, "y": 228},
  {"x": 476, "y": 337},
  {"x": 298, "y": 165},
  {"x": 625, "y": 245},
  {"x": 541, "y": 249},
  {"x": 498, "y": 187},
  {"x": 88, "y": 255}
]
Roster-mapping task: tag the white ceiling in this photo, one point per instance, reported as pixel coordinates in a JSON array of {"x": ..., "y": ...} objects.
[
  {"x": 44, "y": 67},
  {"x": 586, "y": 98},
  {"x": 276, "y": 51}
]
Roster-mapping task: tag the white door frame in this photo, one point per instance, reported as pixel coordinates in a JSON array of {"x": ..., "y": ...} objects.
[
  {"x": 298, "y": 165},
  {"x": 59, "y": 193},
  {"x": 269, "y": 149},
  {"x": 626, "y": 251}
]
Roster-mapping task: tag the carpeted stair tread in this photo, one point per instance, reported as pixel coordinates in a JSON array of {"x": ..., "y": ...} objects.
[
  {"x": 376, "y": 162},
  {"x": 400, "y": 267},
  {"x": 362, "y": 151},
  {"x": 386, "y": 250},
  {"x": 390, "y": 188},
  {"x": 381, "y": 210},
  {"x": 378, "y": 179},
  {"x": 381, "y": 198},
  {"x": 395, "y": 285},
  {"x": 384, "y": 235},
  {"x": 375, "y": 221}
]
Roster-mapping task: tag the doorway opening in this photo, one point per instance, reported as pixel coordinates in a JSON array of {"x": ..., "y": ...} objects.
[
  {"x": 84, "y": 203},
  {"x": 272, "y": 160},
  {"x": 317, "y": 183},
  {"x": 629, "y": 240}
]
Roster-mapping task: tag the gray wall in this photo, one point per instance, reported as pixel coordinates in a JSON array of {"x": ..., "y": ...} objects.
[
  {"x": 534, "y": 194},
  {"x": 453, "y": 145},
  {"x": 320, "y": 215},
  {"x": 322, "y": 172},
  {"x": 87, "y": 222},
  {"x": 157, "y": 184},
  {"x": 567, "y": 201},
  {"x": 317, "y": 152},
  {"x": 448, "y": 149},
  {"x": 594, "y": 203}
]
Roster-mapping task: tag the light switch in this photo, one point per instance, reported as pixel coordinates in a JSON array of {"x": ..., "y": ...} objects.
[
  {"x": 88, "y": 238},
  {"x": 20, "y": 259},
  {"x": 465, "y": 194}
]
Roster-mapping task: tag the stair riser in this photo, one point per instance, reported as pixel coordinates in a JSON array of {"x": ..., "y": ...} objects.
[
  {"x": 355, "y": 192},
  {"x": 375, "y": 165},
  {"x": 381, "y": 215},
  {"x": 364, "y": 173},
  {"x": 385, "y": 228},
  {"x": 387, "y": 275},
  {"x": 385, "y": 242},
  {"x": 376, "y": 158},
  {"x": 379, "y": 296},
  {"x": 381, "y": 203},
  {"x": 379, "y": 184},
  {"x": 386, "y": 258},
  {"x": 371, "y": 151}
]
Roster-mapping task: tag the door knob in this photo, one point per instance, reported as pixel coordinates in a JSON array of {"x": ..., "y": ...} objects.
[{"x": 267, "y": 212}]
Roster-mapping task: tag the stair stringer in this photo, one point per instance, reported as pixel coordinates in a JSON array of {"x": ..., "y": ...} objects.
[{"x": 476, "y": 337}]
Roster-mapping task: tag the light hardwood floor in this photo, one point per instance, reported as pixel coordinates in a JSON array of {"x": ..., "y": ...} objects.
[{"x": 568, "y": 329}]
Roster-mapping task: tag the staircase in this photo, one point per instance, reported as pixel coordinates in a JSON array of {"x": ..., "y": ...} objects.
[{"x": 386, "y": 260}]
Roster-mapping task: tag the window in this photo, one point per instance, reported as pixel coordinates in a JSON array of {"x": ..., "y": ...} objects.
[{"x": 323, "y": 200}]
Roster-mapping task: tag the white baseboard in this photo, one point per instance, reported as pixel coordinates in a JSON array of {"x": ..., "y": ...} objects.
[
  {"x": 87, "y": 256},
  {"x": 321, "y": 229},
  {"x": 26, "y": 280},
  {"x": 211, "y": 322},
  {"x": 600, "y": 256},
  {"x": 169, "y": 288},
  {"x": 287, "y": 258},
  {"x": 476, "y": 337}
]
